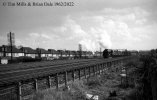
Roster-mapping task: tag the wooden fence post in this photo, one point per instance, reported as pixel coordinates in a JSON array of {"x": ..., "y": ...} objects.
[
  {"x": 89, "y": 71},
  {"x": 85, "y": 72},
  {"x": 57, "y": 81},
  {"x": 36, "y": 84},
  {"x": 99, "y": 68},
  {"x": 19, "y": 94},
  {"x": 73, "y": 75},
  {"x": 79, "y": 74},
  {"x": 65, "y": 78},
  {"x": 102, "y": 69},
  {"x": 93, "y": 71},
  {"x": 105, "y": 66},
  {"x": 49, "y": 81}
]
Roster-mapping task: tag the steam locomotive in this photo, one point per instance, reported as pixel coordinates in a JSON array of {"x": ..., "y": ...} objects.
[{"x": 107, "y": 53}]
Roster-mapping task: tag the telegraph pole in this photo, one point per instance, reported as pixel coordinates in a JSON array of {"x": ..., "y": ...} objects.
[
  {"x": 11, "y": 40},
  {"x": 11, "y": 47}
]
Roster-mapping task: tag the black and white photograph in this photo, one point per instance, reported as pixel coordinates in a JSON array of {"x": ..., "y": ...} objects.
[{"x": 78, "y": 49}]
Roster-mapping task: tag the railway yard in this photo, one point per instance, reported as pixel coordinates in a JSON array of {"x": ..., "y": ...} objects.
[
  {"x": 117, "y": 78},
  {"x": 22, "y": 79},
  {"x": 78, "y": 50}
]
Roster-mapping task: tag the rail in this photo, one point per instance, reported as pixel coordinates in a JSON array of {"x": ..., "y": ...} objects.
[{"x": 12, "y": 82}]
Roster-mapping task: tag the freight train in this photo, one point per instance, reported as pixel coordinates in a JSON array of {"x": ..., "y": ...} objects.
[{"x": 107, "y": 53}]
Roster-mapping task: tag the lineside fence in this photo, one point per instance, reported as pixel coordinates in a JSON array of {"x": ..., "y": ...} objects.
[{"x": 22, "y": 90}]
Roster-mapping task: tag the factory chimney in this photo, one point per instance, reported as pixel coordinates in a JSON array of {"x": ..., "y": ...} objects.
[{"x": 80, "y": 50}]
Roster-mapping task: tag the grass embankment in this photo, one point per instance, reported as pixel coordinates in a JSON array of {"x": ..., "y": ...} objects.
[
  {"x": 103, "y": 86},
  {"x": 100, "y": 86}
]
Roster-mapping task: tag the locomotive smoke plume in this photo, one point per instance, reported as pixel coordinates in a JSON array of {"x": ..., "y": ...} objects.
[
  {"x": 95, "y": 41},
  {"x": 105, "y": 41},
  {"x": 92, "y": 37}
]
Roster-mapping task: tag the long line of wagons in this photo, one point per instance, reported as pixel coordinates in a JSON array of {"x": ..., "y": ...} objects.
[{"x": 107, "y": 53}]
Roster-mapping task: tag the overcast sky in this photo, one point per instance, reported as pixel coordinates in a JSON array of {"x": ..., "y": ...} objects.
[{"x": 116, "y": 24}]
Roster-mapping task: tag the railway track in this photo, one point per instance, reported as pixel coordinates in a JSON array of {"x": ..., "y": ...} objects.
[
  {"x": 23, "y": 80},
  {"x": 38, "y": 65},
  {"x": 11, "y": 67},
  {"x": 20, "y": 74}
]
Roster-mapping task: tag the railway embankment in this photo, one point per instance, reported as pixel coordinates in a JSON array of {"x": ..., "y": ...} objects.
[
  {"x": 107, "y": 86},
  {"x": 139, "y": 84}
]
